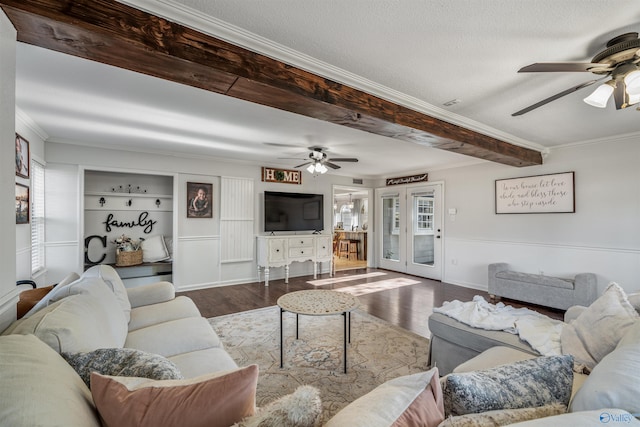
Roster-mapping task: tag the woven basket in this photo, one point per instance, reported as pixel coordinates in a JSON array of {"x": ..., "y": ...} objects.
[{"x": 125, "y": 259}]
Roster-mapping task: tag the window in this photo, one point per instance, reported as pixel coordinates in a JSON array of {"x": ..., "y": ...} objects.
[
  {"x": 424, "y": 215},
  {"x": 396, "y": 215},
  {"x": 37, "y": 218}
]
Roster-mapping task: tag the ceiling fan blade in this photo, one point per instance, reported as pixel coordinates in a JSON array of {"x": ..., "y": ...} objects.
[
  {"x": 619, "y": 96},
  {"x": 557, "y": 96},
  {"x": 548, "y": 67},
  {"x": 331, "y": 165},
  {"x": 304, "y": 164},
  {"x": 343, "y": 159}
]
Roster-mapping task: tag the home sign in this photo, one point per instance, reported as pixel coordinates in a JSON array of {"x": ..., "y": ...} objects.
[{"x": 285, "y": 176}]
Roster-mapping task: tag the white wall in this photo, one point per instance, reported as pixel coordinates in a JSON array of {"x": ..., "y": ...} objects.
[
  {"x": 8, "y": 293},
  {"x": 197, "y": 259},
  {"x": 602, "y": 236},
  {"x": 29, "y": 131}
]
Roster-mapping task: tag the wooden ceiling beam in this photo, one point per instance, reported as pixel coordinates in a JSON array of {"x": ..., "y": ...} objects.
[{"x": 119, "y": 35}]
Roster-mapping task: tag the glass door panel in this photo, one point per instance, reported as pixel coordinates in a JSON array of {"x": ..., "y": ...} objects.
[
  {"x": 423, "y": 237},
  {"x": 391, "y": 228}
]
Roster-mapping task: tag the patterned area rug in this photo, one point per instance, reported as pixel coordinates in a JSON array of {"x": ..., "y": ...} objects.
[{"x": 378, "y": 352}]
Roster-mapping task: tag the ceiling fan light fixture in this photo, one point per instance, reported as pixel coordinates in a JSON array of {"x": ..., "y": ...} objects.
[
  {"x": 600, "y": 96},
  {"x": 321, "y": 168},
  {"x": 632, "y": 83},
  {"x": 311, "y": 168}
]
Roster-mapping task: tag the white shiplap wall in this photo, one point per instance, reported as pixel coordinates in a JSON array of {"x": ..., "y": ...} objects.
[{"x": 236, "y": 219}]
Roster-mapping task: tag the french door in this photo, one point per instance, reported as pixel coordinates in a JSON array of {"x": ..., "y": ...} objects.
[{"x": 410, "y": 229}]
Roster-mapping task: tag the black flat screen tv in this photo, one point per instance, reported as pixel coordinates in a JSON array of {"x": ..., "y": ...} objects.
[{"x": 293, "y": 211}]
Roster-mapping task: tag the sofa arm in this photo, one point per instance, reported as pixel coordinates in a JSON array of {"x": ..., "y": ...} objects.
[
  {"x": 152, "y": 293},
  {"x": 586, "y": 288}
]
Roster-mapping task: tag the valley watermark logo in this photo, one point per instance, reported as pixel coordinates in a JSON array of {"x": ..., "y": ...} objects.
[{"x": 608, "y": 417}]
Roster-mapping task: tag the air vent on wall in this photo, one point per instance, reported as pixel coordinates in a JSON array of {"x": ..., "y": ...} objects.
[{"x": 357, "y": 180}]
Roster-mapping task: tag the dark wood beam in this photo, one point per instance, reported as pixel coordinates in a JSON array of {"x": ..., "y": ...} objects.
[{"x": 119, "y": 35}]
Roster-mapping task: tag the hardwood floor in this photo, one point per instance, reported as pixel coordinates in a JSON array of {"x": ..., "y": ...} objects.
[{"x": 401, "y": 299}]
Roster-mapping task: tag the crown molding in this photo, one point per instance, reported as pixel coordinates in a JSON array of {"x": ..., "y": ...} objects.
[
  {"x": 184, "y": 15},
  {"x": 629, "y": 137},
  {"x": 26, "y": 120}
]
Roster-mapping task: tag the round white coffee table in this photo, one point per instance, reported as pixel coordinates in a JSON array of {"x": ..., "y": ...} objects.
[{"x": 319, "y": 302}]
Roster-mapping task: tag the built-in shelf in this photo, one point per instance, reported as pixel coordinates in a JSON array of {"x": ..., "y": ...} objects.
[
  {"x": 140, "y": 207},
  {"x": 109, "y": 201}
]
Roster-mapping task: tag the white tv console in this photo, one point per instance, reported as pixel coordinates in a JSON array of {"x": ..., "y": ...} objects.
[{"x": 281, "y": 251}]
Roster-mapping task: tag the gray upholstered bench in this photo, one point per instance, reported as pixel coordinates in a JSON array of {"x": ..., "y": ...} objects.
[{"x": 542, "y": 290}]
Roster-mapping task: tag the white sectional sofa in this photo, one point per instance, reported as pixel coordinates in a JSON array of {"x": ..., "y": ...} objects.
[
  {"x": 604, "y": 340},
  {"x": 37, "y": 385}
]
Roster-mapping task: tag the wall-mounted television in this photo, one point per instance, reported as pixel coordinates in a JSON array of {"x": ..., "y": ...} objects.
[{"x": 293, "y": 211}]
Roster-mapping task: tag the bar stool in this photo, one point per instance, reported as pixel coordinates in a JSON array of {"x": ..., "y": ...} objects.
[
  {"x": 354, "y": 250},
  {"x": 343, "y": 248}
]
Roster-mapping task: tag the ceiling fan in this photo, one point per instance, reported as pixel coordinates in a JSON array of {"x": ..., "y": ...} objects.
[
  {"x": 619, "y": 61},
  {"x": 318, "y": 161}
]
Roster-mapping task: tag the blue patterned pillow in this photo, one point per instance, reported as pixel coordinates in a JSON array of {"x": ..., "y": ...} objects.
[
  {"x": 524, "y": 384},
  {"x": 122, "y": 362}
]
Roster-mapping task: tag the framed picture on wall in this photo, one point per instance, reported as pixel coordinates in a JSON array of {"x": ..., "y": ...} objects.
[
  {"x": 22, "y": 157},
  {"x": 199, "y": 202},
  {"x": 22, "y": 204}
]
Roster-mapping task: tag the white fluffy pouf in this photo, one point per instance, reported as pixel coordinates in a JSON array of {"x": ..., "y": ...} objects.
[{"x": 302, "y": 408}]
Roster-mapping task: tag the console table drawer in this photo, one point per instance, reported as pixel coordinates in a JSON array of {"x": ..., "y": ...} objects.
[
  {"x": 301, "y": 242},
  {"x": 301, "y": 252},
  {"x": 277, "y": 250}
]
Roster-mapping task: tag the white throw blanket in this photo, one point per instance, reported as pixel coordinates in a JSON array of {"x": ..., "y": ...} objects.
[{"x": 541, "y": 332}]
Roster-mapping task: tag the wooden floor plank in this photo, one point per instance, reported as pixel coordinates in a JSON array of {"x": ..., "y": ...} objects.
[{"x": 401, "y": 299}]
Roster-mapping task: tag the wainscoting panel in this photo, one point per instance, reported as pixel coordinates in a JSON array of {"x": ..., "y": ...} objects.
[
  {"x": 236, "y": 219},
  {"x": 198, "y": 263},
  {"x": 466, "y": 262},
  {"x": 8, "y": 308},
  {"x": 237, "y": 241},
  {"x": 62, "y": 258}
]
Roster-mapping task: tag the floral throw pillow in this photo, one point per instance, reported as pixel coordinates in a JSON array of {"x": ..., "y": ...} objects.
[
  {"x": 123, "y": 362},
  {"x": 524, "y": 384}
]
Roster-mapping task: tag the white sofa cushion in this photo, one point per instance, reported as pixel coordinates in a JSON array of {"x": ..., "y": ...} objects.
[
  {"x": 201, "y": 362},
  {"x": 188, "y": 334},
  {"x": 148, "y": 315},
  {"x": 113, "y": 280},
  {"x": 78, "y": 323},
  {"x": 408, "y": 400},
  {"x": 152, "y": 293},
  {"x": 613, "y": 383},
  {"x": 40, "y": 388},
  {"x": 597, "y": 330}
]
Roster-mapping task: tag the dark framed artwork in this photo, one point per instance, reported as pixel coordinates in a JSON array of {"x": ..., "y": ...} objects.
[
  {"x": 22, "y": 204},
  {"x": 22, "y": 157},
  {"x": 199, "y": 200},
  {"x": 551, "y": 193}
]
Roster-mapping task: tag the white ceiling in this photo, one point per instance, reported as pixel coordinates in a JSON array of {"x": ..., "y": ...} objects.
[{"x": 419, "y": 53}]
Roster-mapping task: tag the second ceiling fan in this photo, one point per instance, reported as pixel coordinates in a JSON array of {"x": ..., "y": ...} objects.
[
  {"x": 619, "y": 61},
  {"x": 318, "y": 161}
]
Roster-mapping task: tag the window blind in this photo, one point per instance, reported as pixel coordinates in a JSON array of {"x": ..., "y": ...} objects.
[{"x": 37, "y": 218}]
